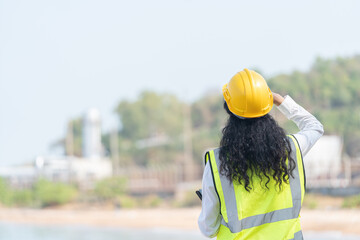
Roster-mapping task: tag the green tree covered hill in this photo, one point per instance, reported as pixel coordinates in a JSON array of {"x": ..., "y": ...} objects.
[{"x": 153, "y": 126}]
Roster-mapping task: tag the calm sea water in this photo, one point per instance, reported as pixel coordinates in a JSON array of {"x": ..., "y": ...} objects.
[{"x": 12, "y": 231}]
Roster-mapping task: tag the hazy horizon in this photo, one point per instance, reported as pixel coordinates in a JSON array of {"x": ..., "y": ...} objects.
[{"x": 58, "y": 59}]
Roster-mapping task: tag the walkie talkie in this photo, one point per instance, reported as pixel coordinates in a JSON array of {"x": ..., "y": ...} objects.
[{"x": 199, "y": 193}]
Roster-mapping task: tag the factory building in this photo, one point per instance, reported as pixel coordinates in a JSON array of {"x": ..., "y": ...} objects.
[
  {"x": 323, "y": 163},
  {"x": 84, "y": 171}
]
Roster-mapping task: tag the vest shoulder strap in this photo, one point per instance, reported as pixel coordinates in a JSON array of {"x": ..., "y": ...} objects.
[
  {"x": 206, "y": 157},
  {"x": 299, "y": 163},
  {"x": 214, "y": 165}
]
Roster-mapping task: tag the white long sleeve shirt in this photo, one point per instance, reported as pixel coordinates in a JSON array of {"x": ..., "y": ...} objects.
[{"x": 310, "y": 131}]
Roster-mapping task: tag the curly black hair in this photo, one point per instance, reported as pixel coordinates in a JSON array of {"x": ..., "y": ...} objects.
[{"x": 255, "y": 146}]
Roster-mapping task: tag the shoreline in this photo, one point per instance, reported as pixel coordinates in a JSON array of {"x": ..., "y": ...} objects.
[{"x": 338, "y": 220}]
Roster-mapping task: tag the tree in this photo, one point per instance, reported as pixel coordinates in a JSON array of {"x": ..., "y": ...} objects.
[
  {"x": 50, "y": 193},
  {"x": 110, "y": 188},
  {"x": 330, "y": 90},
  {"x": 151, "y": 128}
]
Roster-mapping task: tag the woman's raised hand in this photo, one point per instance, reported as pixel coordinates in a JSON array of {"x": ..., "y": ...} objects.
[{"x": 278, "y": 99}]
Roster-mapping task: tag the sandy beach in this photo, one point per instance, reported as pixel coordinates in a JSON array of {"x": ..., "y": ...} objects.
[{"x": 345, "y": 221}]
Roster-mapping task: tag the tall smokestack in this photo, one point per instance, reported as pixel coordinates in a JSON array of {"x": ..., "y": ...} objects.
[{"x": 92, "y": 147}]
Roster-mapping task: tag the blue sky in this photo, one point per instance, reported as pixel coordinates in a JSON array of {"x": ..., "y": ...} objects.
[{"x": 59, "y": 58}]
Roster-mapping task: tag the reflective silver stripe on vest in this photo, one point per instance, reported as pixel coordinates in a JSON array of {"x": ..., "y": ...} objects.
[
  {"x": 298, "y": 236},
  {"x": 235, "y": 225}
]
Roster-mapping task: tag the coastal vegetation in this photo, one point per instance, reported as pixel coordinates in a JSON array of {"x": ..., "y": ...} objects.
[
  {"x": 112, "y": 193},
  {"x": 42, "y": 194}
]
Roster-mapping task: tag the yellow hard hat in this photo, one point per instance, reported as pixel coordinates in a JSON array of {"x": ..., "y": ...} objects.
[{"x": 248, "y": 95}]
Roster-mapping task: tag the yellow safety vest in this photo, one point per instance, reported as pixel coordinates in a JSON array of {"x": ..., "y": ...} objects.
[{"x": 262, "y": 213}]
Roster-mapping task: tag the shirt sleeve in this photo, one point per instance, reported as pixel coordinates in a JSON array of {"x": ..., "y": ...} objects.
[
  {"x": 210, "y": 218},
  {"x": 310, "y": 128}
]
